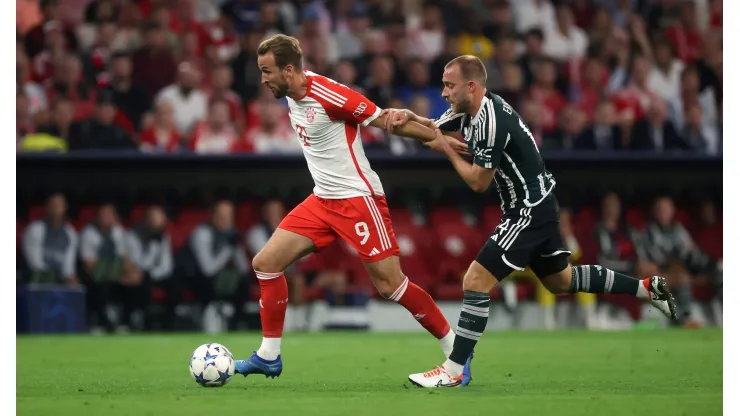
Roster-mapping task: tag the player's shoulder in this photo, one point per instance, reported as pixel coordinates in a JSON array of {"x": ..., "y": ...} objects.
[
  {"x": 321, "y": 83},
  {"x": 499, "y": 104}
]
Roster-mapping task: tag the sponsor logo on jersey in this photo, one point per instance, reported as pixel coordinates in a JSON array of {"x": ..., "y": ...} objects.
[
  {"x": 310, "y": 115},
  {"x": 360, "y": 109}
]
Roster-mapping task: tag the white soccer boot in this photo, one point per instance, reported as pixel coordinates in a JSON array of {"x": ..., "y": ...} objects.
[
  {"x": 439, "y": 377},
  {"x": 660, "y": 297}
]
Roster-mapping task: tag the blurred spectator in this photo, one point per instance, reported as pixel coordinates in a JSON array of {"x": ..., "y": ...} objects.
[
  {"x": 244, "y": 67},
  {"x": 215, "y": 266},
  {"x": 69, "y": 82},
  {"x": 600, "y": 26},
  {"x": 427, "y": 32},
  {"x": 221, "y": 80},
  {"x": 655, "y": 132},
  {"x": 533, "y": 54},
  {"x": 154, "y": 54},
  {"x": 345, "y": 73},
  {"x": 244, "y": 14},
  {"x": 571, "y": 122},
  {"x": 100, "y": 132},
  {"x": 161, "y": 135},
  {"x": 216, "y": 134},
  {"x": 52, "y": 133},
  {"x": 665, "y": 77},
  {"x": 419, "y": 85},
  {"x": 23, "y": 123},
  {"x": 103, "y": 254},
  {"x": 130, "y": 98},
  {"x": 101, "y": 10},
  {"x": 604, "y": 133},
  {"x": 710, "y": 66},
  {"x": 564, "y": 40},
  {"x": 685, "y": 34},
  {"x": 588, "y": 87},
  {"x": 545, "y": 92},
  {"x": 349, "y": 39},
  {"x": 183, "y": 20},
  {"x": 35, "y": 38},
  {"x": 188, "y": 100},
  {"x": 451, "y": 51},
  {"x": 633, "y": 100},
  {"x": 95, "y": 61},
  {"x": 149, "y": 248},
  {"x": 473, "y": 41},
  {"x": 533, "y": 14},
  {"x": 36, "y": 95},
  {"x": 314, "y": 33},
  {"x": 513, "y": 84},
  {"x": 533, "y": 114},
  {"x": 50, "y": 246},
  {"x": 505, "y": 55},
  {"x": 501, "y": 21},
  {"x": 707, "y": 229},
  {"x": 379, "y": 87},
  {"x": 702, "y": 124},
  {"x": 273, "y": 134}
]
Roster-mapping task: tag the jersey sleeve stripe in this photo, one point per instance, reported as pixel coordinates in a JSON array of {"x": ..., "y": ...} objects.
[
  {"x": 327, "y": 91},
  {"x": 321, "y": 95}
]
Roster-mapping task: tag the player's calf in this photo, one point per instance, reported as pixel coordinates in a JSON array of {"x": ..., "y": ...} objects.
[
  {"x": 393, "y": 285},
  {"x": 598, "y": 279}
]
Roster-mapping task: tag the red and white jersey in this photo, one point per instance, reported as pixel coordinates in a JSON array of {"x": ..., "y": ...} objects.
[{"x": 327, "y": 120}]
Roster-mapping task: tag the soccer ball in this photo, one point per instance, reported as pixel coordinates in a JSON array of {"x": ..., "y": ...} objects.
[{"x": 212, "y": 365}]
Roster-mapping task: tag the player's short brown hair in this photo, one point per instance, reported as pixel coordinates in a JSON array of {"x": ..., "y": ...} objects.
[
  {"x": 471, "y": 68},
  {"x": 286, "y": 49}
]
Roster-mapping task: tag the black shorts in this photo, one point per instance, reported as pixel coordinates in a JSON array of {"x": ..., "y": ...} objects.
[{"x": 526, "y": 237}]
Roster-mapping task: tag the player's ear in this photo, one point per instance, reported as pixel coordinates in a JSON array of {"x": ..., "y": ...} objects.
[{"x": 288, "y": 71}]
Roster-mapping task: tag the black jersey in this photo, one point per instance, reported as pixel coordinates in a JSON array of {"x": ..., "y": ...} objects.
[{"x": 499, "y": 139}]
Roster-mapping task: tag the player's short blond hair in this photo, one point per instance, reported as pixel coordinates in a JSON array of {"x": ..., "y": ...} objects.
[
  {"x": 285, "y": 49},
  {"x": 471, "y": 68}
]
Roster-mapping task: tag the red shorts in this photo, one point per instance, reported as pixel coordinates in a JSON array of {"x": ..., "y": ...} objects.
[{"x": 364, "y": 222}]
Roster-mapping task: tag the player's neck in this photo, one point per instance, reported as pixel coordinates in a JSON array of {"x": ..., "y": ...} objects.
[
  {"x": 298, "y": 91},
  {"x": 475, "y": 107}
]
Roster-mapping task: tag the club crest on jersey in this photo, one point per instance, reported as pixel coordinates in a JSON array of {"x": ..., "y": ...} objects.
[{"x": 310, "y": 115}]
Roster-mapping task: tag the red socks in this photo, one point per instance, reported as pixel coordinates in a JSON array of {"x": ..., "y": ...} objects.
[
  {"x": 273, "y": 303},
  {"x": 422, "y": 307}
]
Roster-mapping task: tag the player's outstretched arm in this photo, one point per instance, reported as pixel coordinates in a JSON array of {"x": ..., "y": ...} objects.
[
  {"x": 478, "y": 178},
  {"x": 416, "y": 131}
]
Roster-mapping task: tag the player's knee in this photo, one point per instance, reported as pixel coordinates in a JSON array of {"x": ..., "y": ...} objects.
[
  {"x": 478, "y": 279},
  {"x": 264, "y": 264},
  {"x": 385, "y": 288},
  {"x": 558, "y": 283},
  {"x": 387, "y": 285}
]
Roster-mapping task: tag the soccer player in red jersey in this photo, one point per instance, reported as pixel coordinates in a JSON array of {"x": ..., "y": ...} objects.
[{"x": 347, "y": 202}]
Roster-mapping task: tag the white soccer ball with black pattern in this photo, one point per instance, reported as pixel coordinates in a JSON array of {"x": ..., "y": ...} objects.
[{"x": 212, "y": 365}]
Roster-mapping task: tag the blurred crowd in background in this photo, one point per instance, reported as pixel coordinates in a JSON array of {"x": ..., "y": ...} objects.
[
  {"x": 150, "y": 258},
  {"x": 181, "y": 75}
]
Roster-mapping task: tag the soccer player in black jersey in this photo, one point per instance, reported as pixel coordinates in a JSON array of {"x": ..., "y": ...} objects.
[{"x": 504, "y": 151}]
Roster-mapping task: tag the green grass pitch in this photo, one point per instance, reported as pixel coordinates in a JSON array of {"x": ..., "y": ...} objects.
[{"x": 667, "y": 372}]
